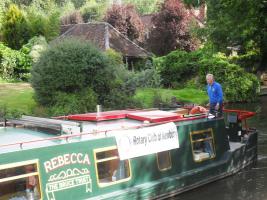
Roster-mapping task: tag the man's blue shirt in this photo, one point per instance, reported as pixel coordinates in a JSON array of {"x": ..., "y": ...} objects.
[{"x": 215, "y": 93}]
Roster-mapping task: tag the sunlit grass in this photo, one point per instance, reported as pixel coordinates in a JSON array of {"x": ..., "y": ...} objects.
[
  {"x": 17, "y": 96},
  {"x": 186, "y": 95}
]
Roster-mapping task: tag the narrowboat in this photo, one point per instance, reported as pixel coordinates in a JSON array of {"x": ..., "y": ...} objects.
[{"x": 123, "y": 154}]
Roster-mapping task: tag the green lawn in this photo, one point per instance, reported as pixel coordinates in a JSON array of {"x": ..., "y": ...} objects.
[
  {"x": 186, "y": 95},
  {"x": 17, "y": 97}
]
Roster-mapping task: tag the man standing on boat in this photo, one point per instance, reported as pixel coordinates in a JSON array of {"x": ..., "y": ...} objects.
[{"x": 215, "y": 94}]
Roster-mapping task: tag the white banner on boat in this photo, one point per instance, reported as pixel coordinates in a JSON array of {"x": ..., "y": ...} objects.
[{"x": 143, "y": 141}]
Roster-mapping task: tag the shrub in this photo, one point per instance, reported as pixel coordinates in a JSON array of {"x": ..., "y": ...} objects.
[
  {"x": 147, "y": 78},
  {"x": 34, "y": 47},
  {"x": 81, "y": 102},
  {"x": 13, "y": 64},
  {"x": 178, "y": 67},
  {"x": 237, "y": 84},
  {"x": 67, "y": 67}
]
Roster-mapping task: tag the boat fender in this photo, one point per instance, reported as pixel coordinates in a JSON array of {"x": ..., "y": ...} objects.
[{"x": 198, "y": 110}]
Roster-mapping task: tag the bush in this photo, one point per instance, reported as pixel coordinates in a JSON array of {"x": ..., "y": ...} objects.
[
  {"x": 80, "y": 102},
  {"x": 249, "y": 61},
  {"x": 147, "y": 78},
  {"x": 237, "y": 84},
  {"x": 67, "y": 67},
  {"x": 178, "y": 67},
  {"x": 13, "y": 64},
  {"x": 34, "y": 47}
]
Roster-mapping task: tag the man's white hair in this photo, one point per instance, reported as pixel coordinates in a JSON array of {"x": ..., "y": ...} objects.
[{"x": 210, "y": 76}]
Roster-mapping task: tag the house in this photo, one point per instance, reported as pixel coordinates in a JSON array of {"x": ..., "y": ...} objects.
[{"x": 105, "y": 36}]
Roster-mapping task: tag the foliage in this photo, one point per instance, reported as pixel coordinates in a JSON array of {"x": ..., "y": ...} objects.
[
  {"x": 114, "y": 56},
  {"x": 71, "y": 66},
  {"x": 232, "y": 23},
  {"x": 34, "y": 47},
  {"x": 249, "y": 61},
  {"x": 145, "y": 7},
  {"x": 13, "y": 64},
  {"x": 149, "y": 77},
  {"x": 171, "y": 29},
  {"x": 9, "y": 113},
  {"x": 80, "y": 102},
  {"x": 237, "y": 84},
  {"x": 15, "y": 32},
  {"x": 93, "y": 11},
  {"x": 42, "y": 23},
  {"x": 178, "y": 67},
  {"x": 72, "y": 18},
  {"x": 126, "y": 20}
]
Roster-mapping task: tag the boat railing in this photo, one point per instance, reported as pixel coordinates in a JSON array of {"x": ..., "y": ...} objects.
[{"x": 241, "y": 116}]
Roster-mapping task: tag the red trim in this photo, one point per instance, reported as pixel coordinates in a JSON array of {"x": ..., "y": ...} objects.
[{"x": 242, "y": 114}]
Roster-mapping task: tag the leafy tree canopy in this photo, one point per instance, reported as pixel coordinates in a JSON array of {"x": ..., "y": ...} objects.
[
  {"x": 171, "y": 30},
  {"x": 126, "y": 20}
]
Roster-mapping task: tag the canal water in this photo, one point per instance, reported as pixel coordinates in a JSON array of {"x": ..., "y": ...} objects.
[{"x": 249, "y": 184}]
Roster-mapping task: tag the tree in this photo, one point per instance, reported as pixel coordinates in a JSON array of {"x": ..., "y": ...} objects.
[
  {"x": 94, "y": 11},
  {"x": 171, "y": 29},
  {"x": 15, "y": 31},
  {"x": 242, "y": 23},
  {"x": 72, "y": 18},
  {"x": 126, "y": 20},
  {"x": 145, "y": 7}
]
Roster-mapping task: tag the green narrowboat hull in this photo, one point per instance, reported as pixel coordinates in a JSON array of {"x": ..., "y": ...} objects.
[{"x": 67, "y": 167}]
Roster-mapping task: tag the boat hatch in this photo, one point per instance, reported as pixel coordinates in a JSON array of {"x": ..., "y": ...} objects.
[
  {"x": 154, "y": 116},
  {"x": 101, "y": 116}
]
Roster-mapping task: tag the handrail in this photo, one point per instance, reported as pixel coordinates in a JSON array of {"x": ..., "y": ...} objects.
[{"x": 241, "y": 114}]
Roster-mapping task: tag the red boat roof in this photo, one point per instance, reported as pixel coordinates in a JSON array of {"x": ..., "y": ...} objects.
[
  {"x": 154, "y": 116},
  {"x": 140, "y": 115},
  {"x": 108, "y": 115}
]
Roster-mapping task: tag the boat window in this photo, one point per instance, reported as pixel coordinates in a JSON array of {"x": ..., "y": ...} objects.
[
  {"x": 110, "y": 169},
  {"x": 19, "y": 181},
  {"x": 202, "y": 145},
  {"x": 164, "y": 160}
]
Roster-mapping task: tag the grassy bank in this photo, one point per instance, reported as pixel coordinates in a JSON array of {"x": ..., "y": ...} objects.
[
  {"x": 16, "y": 97},
  {"x": 186, "y": 95}
]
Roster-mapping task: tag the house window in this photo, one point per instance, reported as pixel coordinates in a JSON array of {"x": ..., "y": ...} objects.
[
  {"x": 20, "y": 180},
  {"x": 110, "y": 169},
  {"x": 164, "y": 160},
  {"x": 202, "y": 145}
]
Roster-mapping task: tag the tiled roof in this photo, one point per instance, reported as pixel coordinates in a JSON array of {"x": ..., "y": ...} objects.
[{"x": 104, "y": 36}]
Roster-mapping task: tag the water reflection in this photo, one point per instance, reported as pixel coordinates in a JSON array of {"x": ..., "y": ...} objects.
[{"x": 249, "y": 184}]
